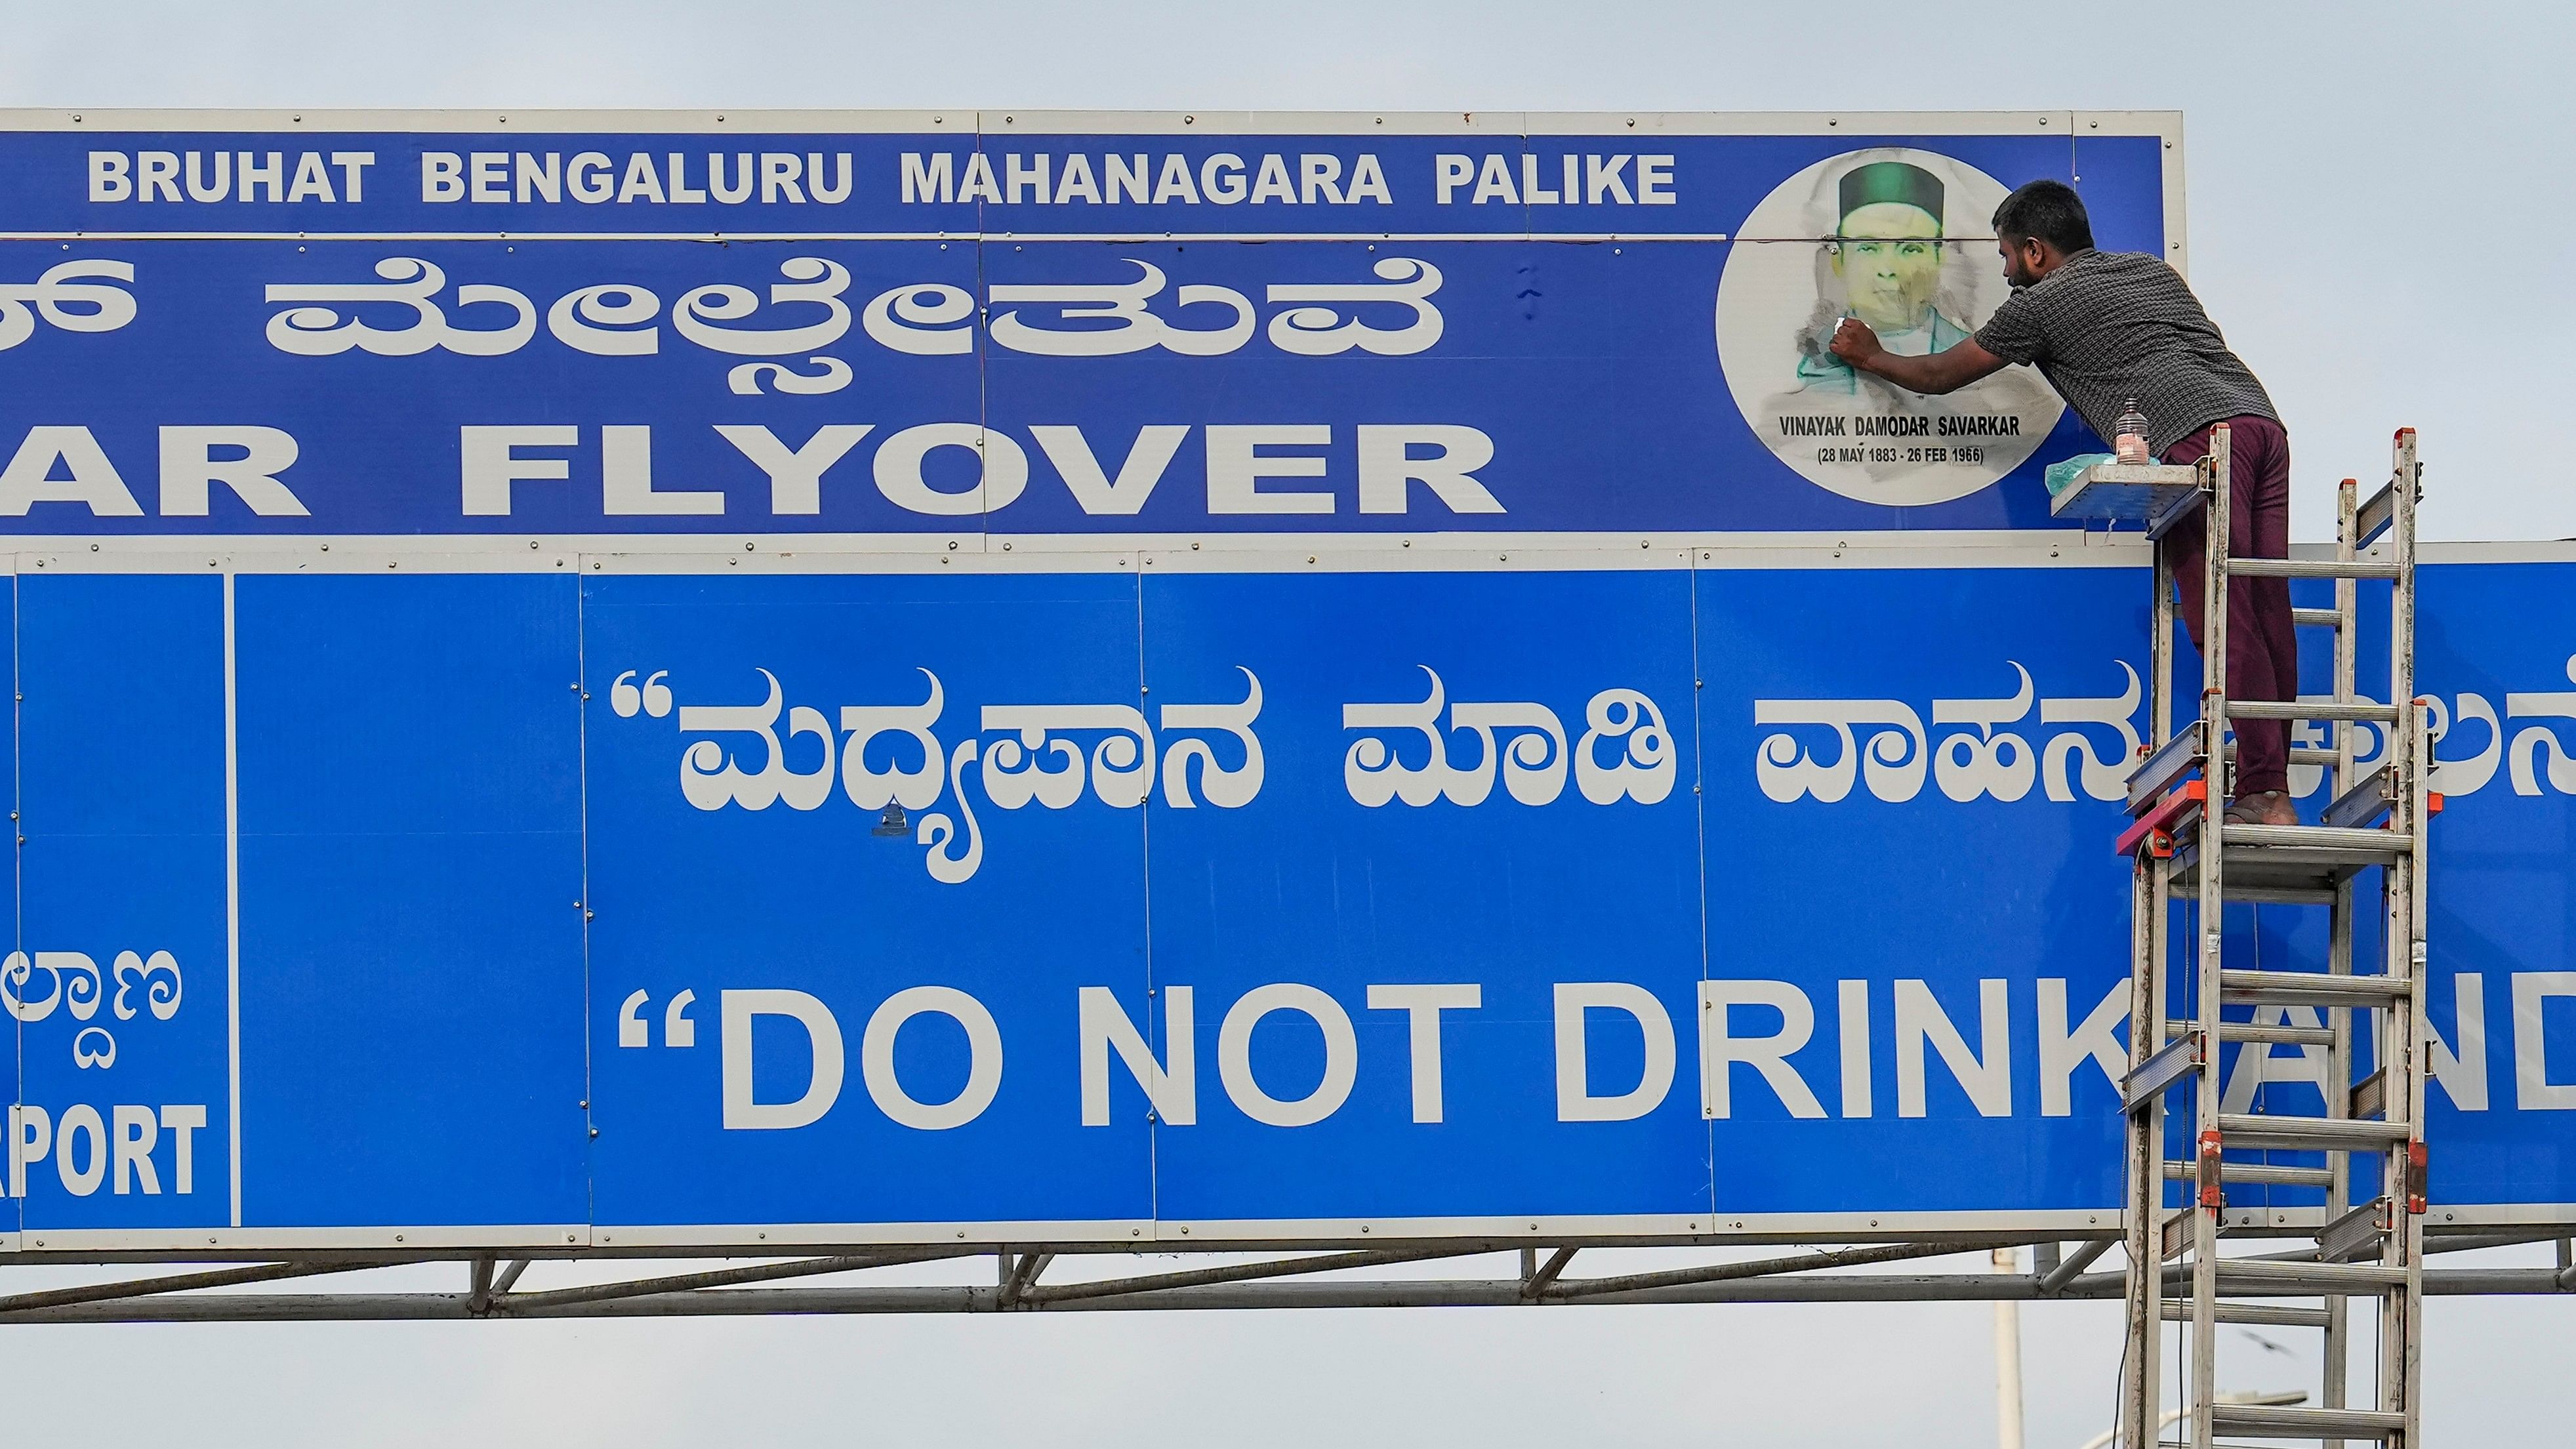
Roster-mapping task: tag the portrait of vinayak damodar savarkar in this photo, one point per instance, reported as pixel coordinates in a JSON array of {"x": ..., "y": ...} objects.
[
  {"x": 1883, "y": 265},
  {"x": 1897, "y": 237}
]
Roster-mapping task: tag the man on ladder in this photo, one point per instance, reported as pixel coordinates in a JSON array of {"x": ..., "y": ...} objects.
[{"x": 2110, "y": 328}]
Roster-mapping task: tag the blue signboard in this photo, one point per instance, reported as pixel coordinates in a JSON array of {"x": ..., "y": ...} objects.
[
  {"x": 951, "y": 328},
  {"x": 621, "y": 903}
]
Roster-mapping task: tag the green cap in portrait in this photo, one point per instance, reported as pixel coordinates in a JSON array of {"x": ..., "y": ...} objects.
[{"x": 1893, "y": 181}]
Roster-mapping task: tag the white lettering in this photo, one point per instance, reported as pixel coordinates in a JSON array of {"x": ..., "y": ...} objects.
[
  {"x": 2062, "y": 1051},
  {"x": 1318, "y": 175},
  {"x": 1423, "y": 1005},
  {"x": 2462, "y": 1076},
  {"x": 640, "y": 183},
  {"x": 1720, "y": 1049},
  {"x": 983, "y": 1058},
  {"x": 778, "y": 177},
  {"x": 490, "y": 465},
  {"x": 182, "y": 1122},
  {"x": 928, "y": 178},
  {"x": 77, "y": 1122},
  {"x": 1575, "y": 1101},
  {"x": 1003, "y": 476},
  {"x": 1450, "y": 173},
  {"x": 1368, "y": 182},
  {"x": 1272, "y": 183},
  {"x": 1387, "y": 465},
  {"x": 795, "y": 474},
  {"x": 979, "y": 184},
  {"x": 626, "y": 478},
  {"x": 442, "y": 176},
  {"x": 1171, "y": 1091},
  {"x": 2532, "y": 1089},
  {"x": 1234, "y": 1055},
  {"x": 822, "y": 1089},
  {"x": 1919, "y": 1018},
  {"x": 1600, "y": 180},
  {"x": 540, "y": 179},
  {"x": 487, "y": 171},
  {"x": 736, "y": 193},
  {"x": 29, "y": 480},
  {"x": 108, "y": 176},
  {"x": 131, "y": 1148},
  {"x": 156, "y": 171},
  {"x": 1531, "y": 191},
  {"x": 189, "y": 468},
  {"x": 1221, "y": 177},
  {"x": 1655, "y": 181},
  {"x": 31, "y": 1136},
  {"x": 1077, "y": 183},
  {"x": 681, "y": 190},
  {"x": 1156, "y": 445},
  {"x": 311, "y": 183},
  {"x": 1017, "y": 178},
  {"x": 1236, "y": 465},
  {"x": 587, "y": 178},
  {"x": 1173, "y": 183},
  {"x": 353, "y": 180},
  {"x": 1852, "y": 1006}
]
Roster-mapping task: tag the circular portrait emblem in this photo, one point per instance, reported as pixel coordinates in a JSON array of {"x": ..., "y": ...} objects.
[{"x": 1901, "y": 239}]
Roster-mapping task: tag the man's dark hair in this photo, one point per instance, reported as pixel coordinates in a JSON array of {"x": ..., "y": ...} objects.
[{"x": 2048, "y": 211}]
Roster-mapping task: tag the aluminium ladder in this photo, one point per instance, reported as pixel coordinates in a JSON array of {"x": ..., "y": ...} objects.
[{"x": 2182, "y": 992}]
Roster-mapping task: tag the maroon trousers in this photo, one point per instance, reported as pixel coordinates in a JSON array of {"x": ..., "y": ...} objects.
[{"x": 2262, "y": 643}]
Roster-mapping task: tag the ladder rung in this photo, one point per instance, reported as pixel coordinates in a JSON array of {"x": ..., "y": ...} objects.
[
  {"x": 2251, "y": 1131},
  {"x": 2274, "y": 1315},
  {"x": 2257, "y": 1174},
  {"x": 2263, "y": 1032},
  {"x": 2376, "y": 515},
  {"x": 2158, "y": 772},
  {"x": 2317, "y": 618},
  {"x": 2373, "y": 842},
  {"x": 2278, "y": 895},
  {"x": 2305, "y": 1280},
  {"x": 2357, "y": 1234},
  {"x": 2299, "y": 754},
  {"x": 2367, "y": 711},
  {"x": 2366, "y": 801},
  {"x": 2169, "y": 1064},
  {"x": 2276, "y": 1421},
  {"x": 2307, "y": 568},
  {"x": 2309, "y": 987},
  {"x": 2370, "y": 1095}
]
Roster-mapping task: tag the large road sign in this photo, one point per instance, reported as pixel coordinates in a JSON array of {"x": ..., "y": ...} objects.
[
  {"x": 666, "y": 901},
  {"x": 720, "y": 680},
  {"x": 939, "y": 326}
]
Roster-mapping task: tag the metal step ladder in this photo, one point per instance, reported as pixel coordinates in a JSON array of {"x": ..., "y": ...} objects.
[{"x": 2188, "y": 1005}]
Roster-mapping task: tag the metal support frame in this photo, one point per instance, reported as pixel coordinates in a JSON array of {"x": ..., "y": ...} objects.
[
  {"x": 2187, "y": 857},
  {"x": 1305, "y": 1280}
]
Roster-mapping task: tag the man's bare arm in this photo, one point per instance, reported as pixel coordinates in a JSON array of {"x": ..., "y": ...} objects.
[{"x": 1947, "y": 371}]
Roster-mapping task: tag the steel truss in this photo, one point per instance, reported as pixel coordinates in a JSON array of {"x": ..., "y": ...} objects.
[{"x": 1019, "y": 1283}]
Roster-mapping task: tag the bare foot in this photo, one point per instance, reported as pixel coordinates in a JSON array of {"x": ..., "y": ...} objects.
[{"x": 2270, "y": 807}]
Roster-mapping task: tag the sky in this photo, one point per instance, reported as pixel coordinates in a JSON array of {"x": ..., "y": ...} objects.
[{"x": 2377, "y": 217}]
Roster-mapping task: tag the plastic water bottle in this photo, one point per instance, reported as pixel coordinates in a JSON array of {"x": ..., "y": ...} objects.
[{"x": 2129, "y": 444}]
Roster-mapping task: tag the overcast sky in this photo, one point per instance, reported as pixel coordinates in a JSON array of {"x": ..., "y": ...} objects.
[{"x": 2379, "y": 219}]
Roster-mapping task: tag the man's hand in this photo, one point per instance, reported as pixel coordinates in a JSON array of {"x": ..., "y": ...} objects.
[
  {"x": 1946, "y": 371},
  {"x": 1854, "y": 343}
]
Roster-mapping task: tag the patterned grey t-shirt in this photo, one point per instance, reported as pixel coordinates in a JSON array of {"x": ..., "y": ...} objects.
[{"x": 2107, "y": 327}]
